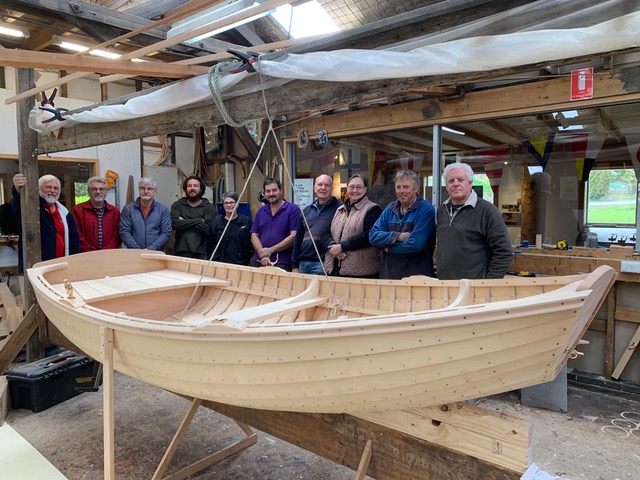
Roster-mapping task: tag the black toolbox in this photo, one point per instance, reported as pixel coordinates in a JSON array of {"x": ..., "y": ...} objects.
[{"x": 44, "y": 383}]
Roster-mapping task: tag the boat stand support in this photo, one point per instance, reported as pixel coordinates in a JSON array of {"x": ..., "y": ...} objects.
[
  {"x": 106, "y": 354},
  {"x": 364, "y": 461},
  {"x": 250, "y": 438},
  {"x": 448, "y": 442}
]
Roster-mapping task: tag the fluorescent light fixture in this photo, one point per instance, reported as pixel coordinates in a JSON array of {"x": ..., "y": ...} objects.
[
  {"x": 229, "y": 27},
  {"x": 208, "y": 16},
  {"x": 76, "y": 46},
  {"x": 457, "y": 132},
  {"x": 11, "y": 30}
]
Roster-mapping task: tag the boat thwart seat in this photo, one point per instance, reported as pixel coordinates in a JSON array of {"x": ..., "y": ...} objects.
[{"x": 241, "y": 319}]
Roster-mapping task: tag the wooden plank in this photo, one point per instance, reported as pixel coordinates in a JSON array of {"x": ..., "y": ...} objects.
[
  {"x": 29, "y": 202},
  {"x": 108, "y": 402},
  {"x": 342, "y": 439},
  {"x": 93, "y": 64},
  {"x": 364, "y": 461},
  {"x": 625, "y": 250},
  {"x": 496, "y": 438},
  {"x": 216, "y": 57},
  {"x": 304, "y": 96},
  {"x": 626, "y": 356},
  {"x": 4, "y": 399},
  {"x": 610, "y": 342},
  {"x": 18, "y": 340},
  {"x": 190, "y": 8},
  {"x": 13, "y": 313},
  {"x": 628, "y": 314}
]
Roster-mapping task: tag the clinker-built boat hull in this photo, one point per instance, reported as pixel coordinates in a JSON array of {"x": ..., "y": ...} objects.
[{"x": 268, "y": 339}]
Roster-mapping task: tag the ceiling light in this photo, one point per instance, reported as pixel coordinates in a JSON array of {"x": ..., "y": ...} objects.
[
  {"x": 11, "y": 30},
  {"x": 76, "y": 46},
  {"x": 457, "y": 132},
  {"x": 208, "y": 16},
  {"x": 229, "y": 27}
]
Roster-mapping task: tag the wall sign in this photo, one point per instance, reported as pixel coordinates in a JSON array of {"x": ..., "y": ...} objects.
[
  {"x": 582, "y": 84},
  {"x": 303, "y": 188}
]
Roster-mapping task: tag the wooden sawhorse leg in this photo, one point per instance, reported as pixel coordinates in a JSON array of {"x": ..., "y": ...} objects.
[
  {"x": 364, "y": 461},
  {"x": 250, "y": 438}
]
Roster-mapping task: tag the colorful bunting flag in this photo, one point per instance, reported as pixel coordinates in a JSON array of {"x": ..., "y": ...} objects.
[{"x": 540, "y": 148}]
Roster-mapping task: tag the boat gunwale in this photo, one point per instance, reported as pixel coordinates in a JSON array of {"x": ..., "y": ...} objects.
[{"x": 411, "y": 321}]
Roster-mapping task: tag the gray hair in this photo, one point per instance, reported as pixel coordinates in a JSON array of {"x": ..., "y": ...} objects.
[
  {"x": 148, "y": 181},
  {"x": 357, "y": 175},
  {"x": 96, "y": 180},
  {"x": 232, "y": 195},
  {"x": 47, "y": 178},
  {"x": 454, "y": 166},
  {"x": 408, "y": 174}
]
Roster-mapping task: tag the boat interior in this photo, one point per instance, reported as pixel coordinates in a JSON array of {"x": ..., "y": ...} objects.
[{"x": 238, "y": 295}]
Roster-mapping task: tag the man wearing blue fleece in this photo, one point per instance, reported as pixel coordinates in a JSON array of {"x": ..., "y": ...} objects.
[{"x": 405, "y": 232}]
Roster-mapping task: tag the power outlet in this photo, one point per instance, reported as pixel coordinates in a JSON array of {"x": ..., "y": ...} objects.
[{"x": 629, "y": 266}]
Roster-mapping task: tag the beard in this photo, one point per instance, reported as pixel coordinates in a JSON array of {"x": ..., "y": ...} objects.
[
  {"x": 194, "y": 196},
  {"x": 51, "y": 199}
]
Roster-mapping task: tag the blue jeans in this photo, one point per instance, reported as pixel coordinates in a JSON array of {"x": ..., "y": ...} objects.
[{"x": 313, "y": 268}]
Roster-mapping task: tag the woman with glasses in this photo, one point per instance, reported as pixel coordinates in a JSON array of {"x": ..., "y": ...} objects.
[
  {"x": 349, "y": 253},
  {"x": 235, "y": 246}
]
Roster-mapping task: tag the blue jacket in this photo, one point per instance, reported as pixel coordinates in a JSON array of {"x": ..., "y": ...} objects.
[
  {"x": 47, "y": 230},
  {"x": 319, "y": 219},
  {"x": 151, "y": 233},
  {"x": 414, "y": 256}
]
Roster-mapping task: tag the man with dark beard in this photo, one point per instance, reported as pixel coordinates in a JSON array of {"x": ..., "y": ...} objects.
[
  {"x": 98, "y": 222},
  {"x": 274, "y": 228},
  {"x": 190, "y": 217},
  {"x": 58, "y": 232}
]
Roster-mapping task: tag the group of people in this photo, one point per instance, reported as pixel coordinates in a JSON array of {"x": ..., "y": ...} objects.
[
  {"x": 358, "y": 238},
  {"x": 97, "y": 225},
  {"x": 354, "y": 238}
]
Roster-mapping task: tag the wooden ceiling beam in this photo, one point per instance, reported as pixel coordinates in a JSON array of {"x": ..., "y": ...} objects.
[
  {"x": 186, "y": 10},
  {"x": 507, "y": 130},
  {"x": 608, "y": 124},
  {"x": 93, "y": 64},
  {"x": 620, "y": 86},
  {"x": 78, "y": 12},
  {"x": 216, "y": 57}
]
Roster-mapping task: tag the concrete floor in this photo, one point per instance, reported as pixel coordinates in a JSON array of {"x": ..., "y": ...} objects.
[{"x": 591, "y": 442}]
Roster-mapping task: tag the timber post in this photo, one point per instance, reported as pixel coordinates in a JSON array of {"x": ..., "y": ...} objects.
[{"x": 29, "y": 202}]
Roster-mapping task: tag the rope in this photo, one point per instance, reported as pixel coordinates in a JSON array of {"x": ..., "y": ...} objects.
[
  {"x": 213, "y": 78},
  {"x": 214, "y": 86}
]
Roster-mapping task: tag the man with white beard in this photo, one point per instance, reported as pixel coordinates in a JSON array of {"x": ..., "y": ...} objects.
[
  {"x": 58, "y": 232},
  {"x": 98, "y": 222}
]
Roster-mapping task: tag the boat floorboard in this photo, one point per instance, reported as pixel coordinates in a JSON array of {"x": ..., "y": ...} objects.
[{"x": 138, "y": 283}]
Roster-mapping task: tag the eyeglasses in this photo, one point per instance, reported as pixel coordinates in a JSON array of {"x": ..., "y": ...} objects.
[
  {"x": 97, "y": 189},
  {"x": 228, "y": 203},
  {"x": 146, "y": 189},
  {"x": 325, "y": 185},
  {"x": 356, "y": 187}
]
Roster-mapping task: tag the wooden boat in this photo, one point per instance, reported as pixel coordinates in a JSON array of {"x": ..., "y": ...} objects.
[{"x": 268, "y": 339}]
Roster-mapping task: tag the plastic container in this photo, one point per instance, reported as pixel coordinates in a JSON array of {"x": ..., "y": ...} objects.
[{"x": 44, "y": 383}]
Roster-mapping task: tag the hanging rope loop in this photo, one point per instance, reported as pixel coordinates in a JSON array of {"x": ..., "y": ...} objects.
[{"x": 213, "y": 78}]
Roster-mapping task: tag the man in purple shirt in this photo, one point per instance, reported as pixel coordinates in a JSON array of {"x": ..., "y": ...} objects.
[{"x": 274, "y": 228}]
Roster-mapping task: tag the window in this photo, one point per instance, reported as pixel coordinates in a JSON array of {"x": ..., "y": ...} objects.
[{"x": 612, "y": 197}]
